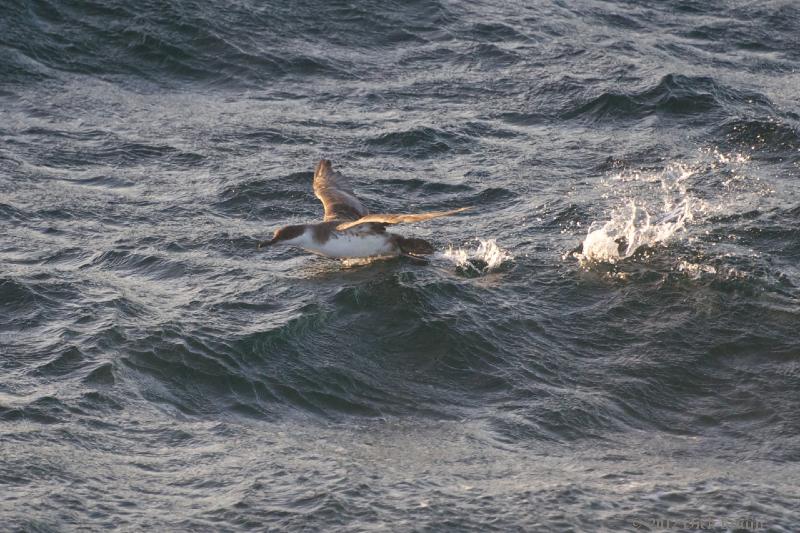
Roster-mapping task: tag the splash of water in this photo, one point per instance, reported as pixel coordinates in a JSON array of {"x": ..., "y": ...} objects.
[
  {"x": 651, "y": 208},
  {"x": 631, "y": 228},
  {"x": 647, "y": 220},
  {"x": 485, "y": 257}
]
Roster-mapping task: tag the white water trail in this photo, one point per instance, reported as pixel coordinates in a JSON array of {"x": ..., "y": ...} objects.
[{"x": 487, "y": 256}]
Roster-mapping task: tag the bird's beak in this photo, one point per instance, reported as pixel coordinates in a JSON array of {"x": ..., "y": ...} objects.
[{"x": 270, "y": 242}]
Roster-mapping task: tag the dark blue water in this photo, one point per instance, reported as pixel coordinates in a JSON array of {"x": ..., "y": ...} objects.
[{"x": 606, "y": 342}]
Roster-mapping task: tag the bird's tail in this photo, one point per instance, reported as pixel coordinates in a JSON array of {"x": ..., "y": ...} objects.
[{"x": 414, "y": 246}]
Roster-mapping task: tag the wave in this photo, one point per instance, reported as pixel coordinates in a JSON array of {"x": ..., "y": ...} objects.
[
  {"x": 423, "y": 143},
  {"x": 388, "y": 344},
  {"x": 674, "y": 94},
  {"x": 151, "y": 266},
  {"x": 762, "y": 136},
  {"x": 244, "y": 44}
]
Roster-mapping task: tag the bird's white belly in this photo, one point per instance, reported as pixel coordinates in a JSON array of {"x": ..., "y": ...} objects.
[{"x": 350, "y": 245}]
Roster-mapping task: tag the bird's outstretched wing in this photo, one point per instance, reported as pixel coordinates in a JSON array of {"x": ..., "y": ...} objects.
[
  {"x": 399, "y": 219},
  {"x": 334, "y": 192}
]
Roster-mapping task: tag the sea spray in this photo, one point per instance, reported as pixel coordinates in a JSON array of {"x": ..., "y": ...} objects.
[
  {"x": 631, "y": 228},
  {"x": 651, "y": 208},
  {"x": 660, "y": 209},
  {"x": 487, "y": 256}
]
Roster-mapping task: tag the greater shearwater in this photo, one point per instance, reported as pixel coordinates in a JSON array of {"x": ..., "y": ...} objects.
[{"x": 347, "y": 229}]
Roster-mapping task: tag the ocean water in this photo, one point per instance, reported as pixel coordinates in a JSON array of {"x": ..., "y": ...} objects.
[{"x": 607, "y": 341}]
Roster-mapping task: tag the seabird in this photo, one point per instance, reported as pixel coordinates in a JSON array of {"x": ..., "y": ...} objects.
[{"x": 347, "y": 229}]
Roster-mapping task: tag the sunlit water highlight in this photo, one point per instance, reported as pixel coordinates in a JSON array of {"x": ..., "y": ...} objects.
[{"x": 607, "y": 338}]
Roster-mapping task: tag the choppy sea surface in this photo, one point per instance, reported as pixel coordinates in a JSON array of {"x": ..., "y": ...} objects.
[{"x": 607, "y": 341}]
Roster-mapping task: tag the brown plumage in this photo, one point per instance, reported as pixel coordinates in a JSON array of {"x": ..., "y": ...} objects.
[
  {"x": 399, "y": 219},
  {"x": 347, "y": 229},
  {"x": 338, "y": 199},
  {"x": 340, "y": 202}
]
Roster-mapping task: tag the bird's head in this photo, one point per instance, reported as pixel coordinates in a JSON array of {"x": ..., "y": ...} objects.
[{"x": 285, "y": 234}]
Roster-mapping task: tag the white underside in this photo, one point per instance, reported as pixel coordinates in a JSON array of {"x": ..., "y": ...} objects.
[{"x": 348, "y": 245}]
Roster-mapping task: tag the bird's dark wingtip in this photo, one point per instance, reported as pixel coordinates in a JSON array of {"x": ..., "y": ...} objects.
[{"x": 324, "y": 165}]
